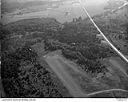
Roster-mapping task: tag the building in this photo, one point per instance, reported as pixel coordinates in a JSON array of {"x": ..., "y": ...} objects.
[
  {"x": 104, "y": 43},
  {"x": 99, "y": 36}
]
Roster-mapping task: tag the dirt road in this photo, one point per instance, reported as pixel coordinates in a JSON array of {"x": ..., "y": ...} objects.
[{"x": 64, "y": 76}]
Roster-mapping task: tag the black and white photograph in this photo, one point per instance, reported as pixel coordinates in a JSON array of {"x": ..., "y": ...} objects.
[{"x": 64, "y": 49}]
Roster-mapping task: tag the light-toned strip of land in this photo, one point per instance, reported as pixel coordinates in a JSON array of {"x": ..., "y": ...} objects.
[
  {"x": 58, "y": 64},
  {"x": 65, "y": 77}
]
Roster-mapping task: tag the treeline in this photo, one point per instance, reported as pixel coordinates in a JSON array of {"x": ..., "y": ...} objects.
[
  {"x": 32, "y": 25},
  {"x": 87, "y": 57}
]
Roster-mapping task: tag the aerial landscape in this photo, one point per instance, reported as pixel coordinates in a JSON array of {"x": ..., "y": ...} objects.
[{"x": 55, "y": 49}]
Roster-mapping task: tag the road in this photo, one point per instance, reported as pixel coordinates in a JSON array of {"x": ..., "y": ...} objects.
[{"x": 64, "y": 76}]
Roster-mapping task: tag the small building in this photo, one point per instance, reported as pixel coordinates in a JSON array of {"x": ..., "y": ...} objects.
[
  {"x": 99, "y": 36},
  {"x": 105, "y": 43}
]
